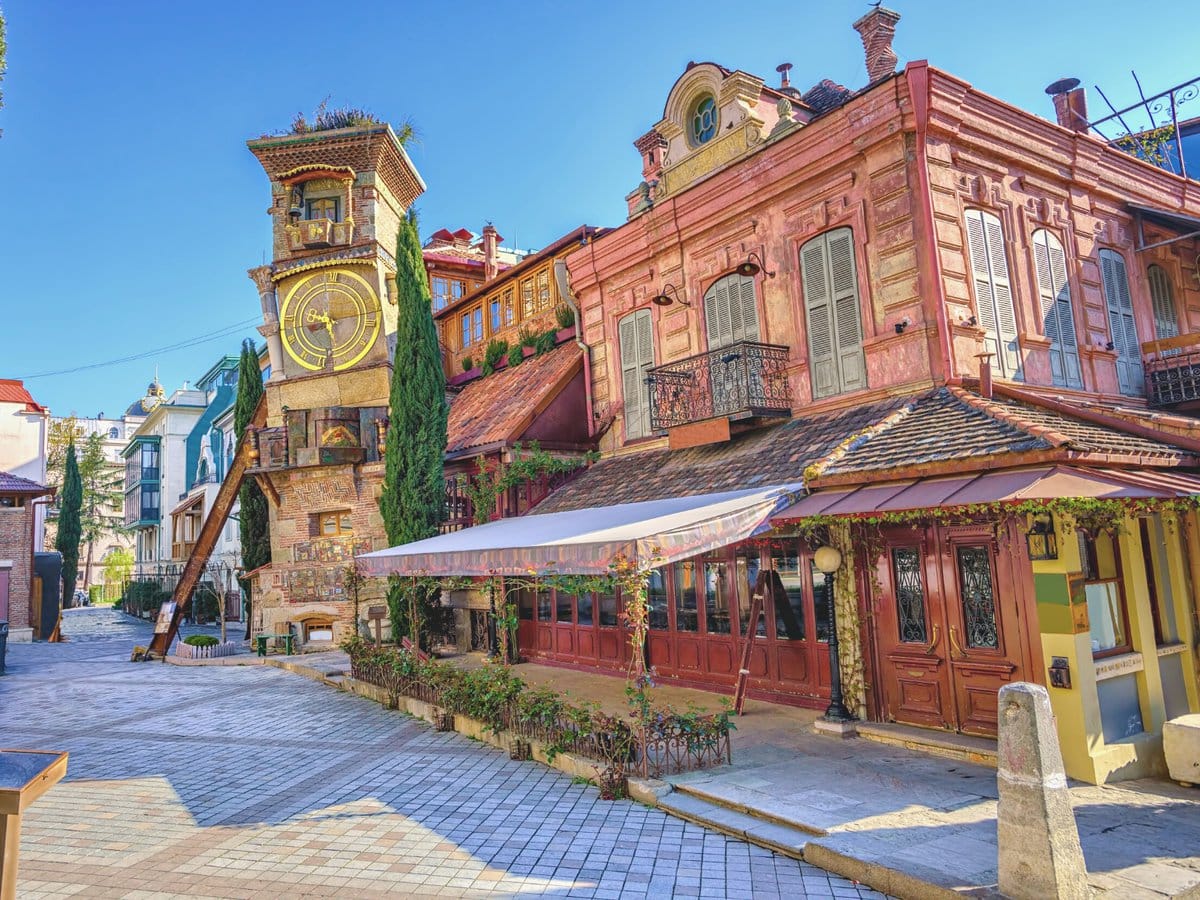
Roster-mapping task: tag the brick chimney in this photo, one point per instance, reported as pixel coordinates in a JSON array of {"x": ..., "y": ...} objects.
[
  {"x": 651, "y": 146},
  {"x": 1070, "y": 104},
  {"x": 877, "y": 29},
  {"x": 491, "y": 241}
]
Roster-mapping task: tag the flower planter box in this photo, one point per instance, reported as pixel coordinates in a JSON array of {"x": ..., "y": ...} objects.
[{"x": 187, "y": 651}]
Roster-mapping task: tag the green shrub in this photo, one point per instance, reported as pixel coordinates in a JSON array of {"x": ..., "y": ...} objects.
[
  {"x": 201, "y": 640},
  {"x": 468, "y": 364},
  {"x": 545, "y": 342},
  {"x": 516, "y": 355},
  {"x": 564, "y": 316},
  {"x": 495, "y": 351},
  {"x": 95, "y": 594}
]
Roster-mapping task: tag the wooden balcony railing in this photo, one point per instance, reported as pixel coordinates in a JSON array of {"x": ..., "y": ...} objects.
[
  {"x": 1172, "y": 367},
  {"x": 740, "y": 381}
]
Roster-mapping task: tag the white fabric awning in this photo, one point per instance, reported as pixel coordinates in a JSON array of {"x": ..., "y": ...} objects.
[{"x": 586, "y": 541}]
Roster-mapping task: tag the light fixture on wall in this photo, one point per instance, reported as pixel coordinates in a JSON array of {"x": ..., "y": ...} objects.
[
  {"x": 665, "y": 298},
  {"x": 902, "y": 324},
  {"x": 1043, "y": 544},
  {"x": 750, "y": 268}
]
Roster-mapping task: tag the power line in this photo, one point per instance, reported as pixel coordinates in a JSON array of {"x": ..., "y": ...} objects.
[{"x": 226, "y": 331}]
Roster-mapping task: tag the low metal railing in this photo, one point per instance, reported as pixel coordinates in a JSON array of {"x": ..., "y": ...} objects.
[{"x": 740, "y": 381}]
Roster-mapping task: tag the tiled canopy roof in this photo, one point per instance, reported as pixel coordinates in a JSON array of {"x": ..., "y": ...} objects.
[
  {"x": 954, "y": 424},
  {"x": 768, "y": 456},
  {"x": 947, "y": 426},
  {"x": 13, "y": 391},
  {"x": 15, "y": 484},
  {"x": 500, "y": 406}
]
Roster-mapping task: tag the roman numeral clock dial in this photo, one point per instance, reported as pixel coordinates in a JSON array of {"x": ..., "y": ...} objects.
[{"x": 329, "y": 319}]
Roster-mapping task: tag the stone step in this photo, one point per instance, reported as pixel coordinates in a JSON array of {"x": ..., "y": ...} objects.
[
  {"x": 772, "y": 835},
  {"x": 763, "y": 815},
  {"x": 966, "y": 747}
]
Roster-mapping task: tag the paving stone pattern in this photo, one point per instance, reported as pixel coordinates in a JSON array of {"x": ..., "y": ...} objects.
[{"x": 251, "y": 782}]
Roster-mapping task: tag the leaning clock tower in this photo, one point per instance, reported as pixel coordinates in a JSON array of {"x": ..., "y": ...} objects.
[{"x": 329, "y": 319}]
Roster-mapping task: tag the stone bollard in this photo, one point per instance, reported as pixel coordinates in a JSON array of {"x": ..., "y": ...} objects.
[{"x": 1040, "y": 856}]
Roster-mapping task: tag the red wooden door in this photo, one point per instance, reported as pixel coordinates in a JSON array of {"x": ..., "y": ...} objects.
[
  {"x": 611, "y": 641},
  {"x": 984, "y": 647},
  {"x": 912, "y": 634}
]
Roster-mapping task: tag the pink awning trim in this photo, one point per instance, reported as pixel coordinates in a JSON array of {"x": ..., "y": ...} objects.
[{"x": 1007, "y": 486}]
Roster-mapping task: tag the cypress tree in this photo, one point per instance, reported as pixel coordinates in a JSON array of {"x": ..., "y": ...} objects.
[
  {"x": 254, "y": 524},
  {"x": 70, "y": 528},
  {"x": 413, "y": 485}
]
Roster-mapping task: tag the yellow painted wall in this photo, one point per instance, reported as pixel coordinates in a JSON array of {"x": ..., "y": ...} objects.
[{"x": 1086, "y": 754}]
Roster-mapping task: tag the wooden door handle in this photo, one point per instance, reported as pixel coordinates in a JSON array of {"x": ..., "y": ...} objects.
[
  {"x": 954, "y": 646},
  {"x": 933, "y": 644}
]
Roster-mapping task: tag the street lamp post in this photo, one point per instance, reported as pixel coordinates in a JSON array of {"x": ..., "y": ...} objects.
[{"x": 829, "y": 560}]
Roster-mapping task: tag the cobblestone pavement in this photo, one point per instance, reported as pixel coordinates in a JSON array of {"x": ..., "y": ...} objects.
[{"x": 250, "y": 782}]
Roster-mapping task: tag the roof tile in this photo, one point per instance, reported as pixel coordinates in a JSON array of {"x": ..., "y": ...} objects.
[
  {"x": 14, "y": 391},
  {"x": 15, "y": 484},
  {"x": 498, "y": 407}
]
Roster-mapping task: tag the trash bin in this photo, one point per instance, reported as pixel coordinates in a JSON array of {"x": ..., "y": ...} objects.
[{"x": 3, "y": 644}]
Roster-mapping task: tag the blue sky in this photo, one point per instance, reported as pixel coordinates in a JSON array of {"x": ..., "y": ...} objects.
[{"x": 132, "y": 208}]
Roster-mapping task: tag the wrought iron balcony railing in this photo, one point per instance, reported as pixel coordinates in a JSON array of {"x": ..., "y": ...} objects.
[
  {"x": 1172, "y": 367},
  {"x": 740, "y": 381}
]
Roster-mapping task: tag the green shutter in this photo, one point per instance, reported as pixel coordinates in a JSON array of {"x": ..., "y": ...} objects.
[
  {"x": 636, "y": 336},
  {"x": 832, "y": 314},
  {"x": 993, "y": 291}
]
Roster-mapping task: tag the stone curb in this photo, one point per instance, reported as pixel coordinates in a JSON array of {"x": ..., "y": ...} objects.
[{"x": 243, "y": 659}]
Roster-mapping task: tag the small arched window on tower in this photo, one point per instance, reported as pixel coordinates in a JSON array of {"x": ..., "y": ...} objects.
[{"x": 1058, "y": 319}]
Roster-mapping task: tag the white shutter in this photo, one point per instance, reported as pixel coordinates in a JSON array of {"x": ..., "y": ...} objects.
[
  {"x": 1057, "y": 315},
  {"x": 742, "y": 293},
  {"x": 830, "y": 282},
  {"x": 1166, "y": 321},
  {"x": 993, "y": 291},
  {"x": 818, "y": 310},
  {"x": 1120, "y": 322},
  {"x": 847, "y": 321},
  {"x": 636, "y": 337}
]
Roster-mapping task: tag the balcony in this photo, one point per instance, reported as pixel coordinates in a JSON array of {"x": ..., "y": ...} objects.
[
  {"x": 746, "y": 380},
  {"x": 1172, "y": 367},
  {"x": 316, "y": 234}
]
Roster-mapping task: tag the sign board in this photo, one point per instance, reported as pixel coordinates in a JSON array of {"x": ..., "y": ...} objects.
[
  {"x": 165, "y": 613},
  {"x": 377, "y": 612}
]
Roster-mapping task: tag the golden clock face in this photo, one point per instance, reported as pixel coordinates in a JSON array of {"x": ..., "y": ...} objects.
[{"x": 329, "y": 318}]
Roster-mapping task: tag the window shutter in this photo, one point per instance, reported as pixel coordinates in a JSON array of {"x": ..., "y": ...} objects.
[
  {"x": 993, "y": 291},
  {"x": 819, "y": 315},
  {"x": 645, "y": 353},
  {"x": 1166, "y": 322},
  {"x": 719, "y": 316},
  {"x": 742, "y": 293},
  {"x": 847, "y": 322},
  {"x": 1120, "y": 321},
  {"x": 1057, "y": 316},
  {"x": 636, "y": 337}
]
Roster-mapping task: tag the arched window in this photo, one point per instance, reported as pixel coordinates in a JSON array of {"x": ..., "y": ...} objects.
[
  {"x": 993, "y": 291},
  {"x": 1058, "y": 318},
  {"x": 114, "y": 433},
  {"x": 730, "y": 311},
  {"x": 1115, "y": 280},
  {"x": 831, "y": 309},
  {"x": 636, "y": 335},
  {"x": 1166, "y": 321}
]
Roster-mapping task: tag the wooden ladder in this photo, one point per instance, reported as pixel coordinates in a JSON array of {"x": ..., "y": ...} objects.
[{"x": 210, "y": 532}]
